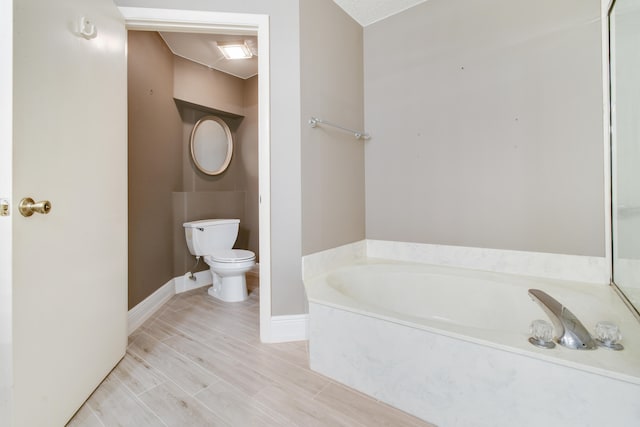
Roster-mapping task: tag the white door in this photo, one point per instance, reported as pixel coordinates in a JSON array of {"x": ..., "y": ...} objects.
[{"x": 69, "y": 147}]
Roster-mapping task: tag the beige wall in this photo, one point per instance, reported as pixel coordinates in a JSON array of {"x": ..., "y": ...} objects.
[
  {"x": 155, "y": 165},
  {"x": 202, "y": 85},
  {"x": 247, "y": 155},
  {"x": 234, "y": 193},
  {"x": 162, "y": 173},
  {"x": 332, "y": 160},
  {"x": 487, "y": 125}
]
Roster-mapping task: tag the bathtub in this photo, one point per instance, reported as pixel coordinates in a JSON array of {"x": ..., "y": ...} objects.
[{"x": 450, "y": 345}]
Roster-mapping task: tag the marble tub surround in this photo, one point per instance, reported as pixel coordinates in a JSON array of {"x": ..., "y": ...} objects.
[
  {"x": 553, "y": 266},
  {"x": 452, "y": 382},
  {"x": 321, "y": 262},
  {"x": 468, "y": 361}
]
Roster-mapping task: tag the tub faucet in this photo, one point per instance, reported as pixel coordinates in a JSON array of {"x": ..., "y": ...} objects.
[{"x": 570, "y": 332}]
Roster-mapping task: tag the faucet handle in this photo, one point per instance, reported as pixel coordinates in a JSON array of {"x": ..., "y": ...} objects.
[
  {"x": 541, "y": 334},
  {"x": 608, "y": 334}
]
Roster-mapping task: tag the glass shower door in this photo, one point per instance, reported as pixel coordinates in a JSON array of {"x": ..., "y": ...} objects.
[{"x": 624, "y": 21}]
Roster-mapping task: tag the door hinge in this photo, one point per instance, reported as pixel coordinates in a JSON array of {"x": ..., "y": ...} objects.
[{"x": 4, "y": 207}]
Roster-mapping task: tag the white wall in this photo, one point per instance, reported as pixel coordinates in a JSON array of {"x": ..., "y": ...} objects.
[
  {"x": 286, "y": 277},
  {"x": 487, "y": 125}
]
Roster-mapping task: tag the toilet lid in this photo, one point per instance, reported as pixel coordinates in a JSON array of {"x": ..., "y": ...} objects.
[{"x": 232, "y": 255}]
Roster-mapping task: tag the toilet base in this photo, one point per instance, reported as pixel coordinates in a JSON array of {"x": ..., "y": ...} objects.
[{"x": 229, "y": 288}]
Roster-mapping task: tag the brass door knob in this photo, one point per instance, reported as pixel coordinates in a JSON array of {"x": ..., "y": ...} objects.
[{"x": 27, "y": 206}]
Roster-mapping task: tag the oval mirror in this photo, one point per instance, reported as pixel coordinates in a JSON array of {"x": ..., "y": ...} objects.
[{"x": 211, "y": 145}]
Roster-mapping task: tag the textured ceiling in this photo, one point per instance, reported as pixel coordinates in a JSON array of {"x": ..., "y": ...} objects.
[{"x": 367, "y": 12}]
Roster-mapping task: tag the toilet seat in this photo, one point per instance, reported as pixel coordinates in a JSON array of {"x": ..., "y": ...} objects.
[{"x": 231, "y": 256}]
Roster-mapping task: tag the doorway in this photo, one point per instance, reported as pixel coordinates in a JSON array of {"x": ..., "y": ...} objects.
[{"x": 214, "y": 22}]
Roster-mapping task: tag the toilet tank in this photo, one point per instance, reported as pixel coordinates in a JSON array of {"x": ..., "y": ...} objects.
[{"x": 208, "y": 235}]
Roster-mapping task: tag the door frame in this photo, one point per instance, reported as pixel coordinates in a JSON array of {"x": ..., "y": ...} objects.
[
  {"x": 193, "y": 21},
  {"x": 605, "y": 5}
]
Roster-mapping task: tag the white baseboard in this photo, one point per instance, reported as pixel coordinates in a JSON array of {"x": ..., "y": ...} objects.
[
  {"x": 184, "y": 284},
  {"x": 289, "y": 328},
  {"x": 145, "y": 309}
]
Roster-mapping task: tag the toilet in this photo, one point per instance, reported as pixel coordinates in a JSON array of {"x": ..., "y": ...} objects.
[{"x": 213, "y": 239}]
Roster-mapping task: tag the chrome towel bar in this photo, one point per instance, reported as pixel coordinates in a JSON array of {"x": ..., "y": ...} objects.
[{"x": 314, "y": 121}]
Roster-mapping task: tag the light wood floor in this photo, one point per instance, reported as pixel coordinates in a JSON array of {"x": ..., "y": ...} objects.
[{"x": 198, "y": 362}]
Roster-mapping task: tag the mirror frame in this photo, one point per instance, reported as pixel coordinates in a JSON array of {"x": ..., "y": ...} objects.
[{"x": 227, "y": 132}]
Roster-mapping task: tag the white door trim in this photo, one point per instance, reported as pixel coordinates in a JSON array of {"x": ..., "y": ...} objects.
[{"x": 203, "y": 21}]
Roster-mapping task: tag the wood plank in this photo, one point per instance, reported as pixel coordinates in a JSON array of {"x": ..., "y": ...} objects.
[
  {"x": 365, "y": 410},
  {"x": 301, "y": 411},
  {"x": 85, "y": 418},
  {"x": 159, "y": 329},
  {"x": 236, "y": 407},
  {"x": 220, "y": 364},
  {"x": 138, "y": 375},
  {"x": 176, "y": 408},
  {"x": 188, "y": 324},
  {"x": 291, "y": 352},
  {"x": 115, "y": 405},
  {"x": 188, "y": 375},
  {"x": 260, "y": 359}
]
